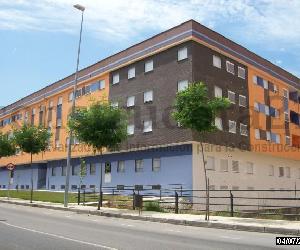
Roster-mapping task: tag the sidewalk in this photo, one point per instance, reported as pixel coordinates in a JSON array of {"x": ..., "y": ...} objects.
[{"x": 230, "y": 223}]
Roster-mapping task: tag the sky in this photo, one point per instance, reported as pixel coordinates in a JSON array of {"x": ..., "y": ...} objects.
[{"x": 39, "y": 38}]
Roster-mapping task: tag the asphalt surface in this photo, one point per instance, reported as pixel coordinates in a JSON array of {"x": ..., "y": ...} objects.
[{"x": 28, "y": 228}]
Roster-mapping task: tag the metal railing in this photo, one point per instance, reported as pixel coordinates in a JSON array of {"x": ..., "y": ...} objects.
[{"x": 175, "y": 198}]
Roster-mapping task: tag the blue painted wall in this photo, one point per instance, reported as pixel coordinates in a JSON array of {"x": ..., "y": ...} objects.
[{"x": 176, "y": 168}]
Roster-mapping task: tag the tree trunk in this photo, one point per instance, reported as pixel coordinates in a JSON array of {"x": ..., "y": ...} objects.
[
  {"x": 100, "y": 201},
  {"x": 31, "y": 191},
  {"x": 206, "y": 184}
]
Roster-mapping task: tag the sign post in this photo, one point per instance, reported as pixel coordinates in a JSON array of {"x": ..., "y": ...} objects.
[{"x": 10, "y": 167}]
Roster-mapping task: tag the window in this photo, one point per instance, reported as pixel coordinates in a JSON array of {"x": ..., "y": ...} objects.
[
  {"x": 101, "y": 84},
  {"x": 71, "y": 96},
  {"x": 130, "y": 101},
  {"x": 212, "y": 187},
  {"x": 288, "y": 172},
  {"x": 271, "y": 170},
  {"x": 265, "y": 84},
  {"x": 156, "y": 164},
  {"x": 139, "y": 165},
  {"x": 75, "y": 170},
  {"x": 149, "y": 66},
  {"x": 285, "y": 93},
  {"x": 60, "y": 101},
  {"x": 218, "y": 123},
  {"x": 224, "y": 165},
  {"x": 256, "y": 106},
  {"x": 92, "y": 169},
  {"x": 78, "y": 93},
  {"x": 182, "y": 85},
  {"x": 241, "y": 72},
  {"x": 130, "y": 129},
  {"x": 250, "y": 188},
  {"x": 230, "y": 67},
  {"x": 218, "y": 92},
  {"x": 249, "y": 166},
  {"x": 147, "y": 126},
  {"x": 231, "y": 96},
  {"x": 268, "y": 134},
  {"x": 131, "y": 73},
  {"x": 63, "y": 170},
  {"x": 87, "y": 89},
  {"x": 242, "y": 101},
  {"x": 121, "y": 167},
  {"x": 92, "y": 186},
  {"x": 232, "y": 126},
  {"x": 281, "y": 171},
  {"x": 224, "y": 187},
  {"x": 182, "y": 54},
  {"x": 217, "y": 61},
  {"x": 57, "y": 144},
  {"x": 255, "y": 79},
  {"x": 286, "y": 117},
  {"x": 210, "y": 163},
  {"x": 53, "y": 171},
  {"x": 257, "y": 134},
  {"x": 243, "y": 129},
  {"x": 94, "y": 87},
  {"x": 148, "y": 96},
  {"x": 52, "y": 186},
  {"x": 116, "y": 78},
  {"x": 235, "y": 187},
  {"x": 288, "y": 140},
  {"x": 114, "y": 104},
  {"x": 235, "y": 166}
]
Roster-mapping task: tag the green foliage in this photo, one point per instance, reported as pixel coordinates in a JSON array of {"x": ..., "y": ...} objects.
[
  {"x": 31, "y": 139},
  {"x": 99, "y": 125},
  {"x": 195, "y": 110},
  {"x": 7, "y": 146},
  {"x": 152, "y": 206}
]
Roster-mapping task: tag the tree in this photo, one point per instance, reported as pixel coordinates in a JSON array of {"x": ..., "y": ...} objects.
[
  {"x": 7, "y": 146},
  {"x": 32, "y": 140},
  {"x": 99, "y": 126},
  {"x": 196, "y": 111}
]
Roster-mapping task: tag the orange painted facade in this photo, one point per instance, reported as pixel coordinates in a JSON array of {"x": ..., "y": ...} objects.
[
  {"x": 55, "y": 152},
  {"x": 258, "y": 120}
]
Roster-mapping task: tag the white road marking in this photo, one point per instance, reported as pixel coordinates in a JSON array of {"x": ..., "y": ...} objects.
[
  {"x": 175, "y": 231},
  {"x": 229, "y": 237},
  {"x": 126, "y": 225},
  {"x": 59, "y": 236}
]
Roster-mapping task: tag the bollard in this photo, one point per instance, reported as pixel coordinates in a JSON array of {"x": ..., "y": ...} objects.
[
  {"x": 133, "y": 200},
  {"x": 84, "y": 197},
  {"x": 231, "y": 204},
  {"x": 78, "y": 196},
  {"x": 176, "y": 202}
]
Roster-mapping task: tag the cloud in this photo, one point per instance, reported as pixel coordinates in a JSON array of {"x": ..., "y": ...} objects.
[{"x": 110, "y": 19}]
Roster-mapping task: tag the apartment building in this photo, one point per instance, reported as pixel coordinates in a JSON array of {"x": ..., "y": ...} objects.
[{"x": 256, "y": 146}]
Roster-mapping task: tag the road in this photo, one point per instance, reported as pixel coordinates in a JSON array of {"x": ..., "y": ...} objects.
[{"x": 27, "y": 228}]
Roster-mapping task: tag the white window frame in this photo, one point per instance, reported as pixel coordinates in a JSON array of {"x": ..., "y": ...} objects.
[
  {"x": 182, "y": 85},
  {"x": 71, "y": 94},
  {"x": 131, "y": 73},
  {"x": 130, "y": 129},
  {"x": 102, "y": 84},
  {"x": 257, "y": 134},
  {"x": 288, "y": 172},
  {"x": 149, "y": 66},
  {"x": 256, "y": 107},
  {"x": 271, "y": 170},
  {"x": 266, "y": 84},
  {"x": 242, "y": 129},
  {"x": 241, "y": 72},
  {"x": 156, "y": 164},
  {"x": 219, "y": 123},
  {"x": 223, "y": 168},
  {"x": 115, "y": 78},
  {"x": 268, "y": 135},
  {"x": 230, "y": 123},
  {"x": 228, "y": 65},
  {"x": 147, "y": 126},
  {"x": 286, "y": 117},
  {"x": 243, "y": 97},
  {"x": 182, "y": 54},
  {"x": 254, "y": 78},
  {"x": 287, "y": 140},
  {"x": 130, "y": 101},
  {"x": 285, "y": 93},
  {"x": 231, "y": 92},
  {"x": 218, "y": 92},
  {"x": 148, "y": 96},
  {"x": 210, "y": 163},
  {"x": 217, "y": 62},
  {"x": 60, "y": 101},
  {"x": 249, "y": 167}
]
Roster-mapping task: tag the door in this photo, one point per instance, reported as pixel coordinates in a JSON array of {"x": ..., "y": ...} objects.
[{"x": 107, "y": 172}]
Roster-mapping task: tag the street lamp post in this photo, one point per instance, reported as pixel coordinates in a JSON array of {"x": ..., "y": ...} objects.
[{"x": 66, "y": 196}]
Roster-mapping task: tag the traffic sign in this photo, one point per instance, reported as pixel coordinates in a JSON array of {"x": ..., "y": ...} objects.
[{"x": 10, "y": 166}]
